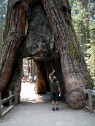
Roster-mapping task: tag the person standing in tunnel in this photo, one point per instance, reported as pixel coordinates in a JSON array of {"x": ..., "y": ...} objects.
[{"x": 55, "y": 90}]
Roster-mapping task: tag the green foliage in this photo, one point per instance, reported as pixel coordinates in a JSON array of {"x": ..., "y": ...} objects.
[
  {"x": 83, "y": 17},
  {"x": 25, "y": 62},
  {"x": 3, "y": 9}
]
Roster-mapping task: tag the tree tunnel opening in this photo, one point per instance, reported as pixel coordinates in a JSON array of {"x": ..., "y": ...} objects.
[
  {"x": 45, "y": 65},
  {"x": 36, "y": 29},
  {"x": 29, "y": 70},
  {"x": 40, "y": 45}
]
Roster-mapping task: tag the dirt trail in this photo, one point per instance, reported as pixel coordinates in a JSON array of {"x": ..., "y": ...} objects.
[{"x": 35, "y": 110}]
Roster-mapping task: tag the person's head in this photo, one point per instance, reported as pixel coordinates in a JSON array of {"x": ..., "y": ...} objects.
[{"x": 54, "y": 79}]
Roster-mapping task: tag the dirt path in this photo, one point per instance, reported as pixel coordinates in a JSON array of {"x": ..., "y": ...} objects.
[{"x": 35, "y": 110}]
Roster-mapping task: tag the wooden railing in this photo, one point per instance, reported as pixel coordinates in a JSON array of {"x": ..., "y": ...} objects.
[
  {"x": 11, "y": 104},
  {"x": 91, "y": 99}
]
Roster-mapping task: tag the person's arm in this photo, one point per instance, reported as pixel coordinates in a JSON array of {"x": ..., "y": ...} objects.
[{"x": 52, "y": 73}]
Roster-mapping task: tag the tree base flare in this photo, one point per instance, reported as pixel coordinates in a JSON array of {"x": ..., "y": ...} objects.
[{"x": 75, "y": 100}]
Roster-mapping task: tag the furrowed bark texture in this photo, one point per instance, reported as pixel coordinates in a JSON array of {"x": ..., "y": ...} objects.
[
  {"x": 50, "y": 35},
  {"x": 16, "y": 32},
  {"x": 43, "y": 71},
  {"x": 67, "y": 46}
]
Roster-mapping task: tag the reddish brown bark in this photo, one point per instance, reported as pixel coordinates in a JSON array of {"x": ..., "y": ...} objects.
[
  {"x": 72, "y": 62},
  {"x": 15, "y": 34},
  {"x": 40, "y": 84},
  {"x": 64, "y": 33}
]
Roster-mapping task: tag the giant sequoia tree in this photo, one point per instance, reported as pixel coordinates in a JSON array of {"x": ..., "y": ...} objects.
[{"x": 42, "y": 30}]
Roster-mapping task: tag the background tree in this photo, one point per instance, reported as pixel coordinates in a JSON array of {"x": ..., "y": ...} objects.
[
  {"x": 84, "y": 24},
  {"x": 3, "y": 9}
]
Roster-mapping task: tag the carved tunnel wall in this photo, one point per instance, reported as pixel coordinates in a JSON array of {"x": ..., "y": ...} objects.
[
  {"x": 40, "y": 45},
  {"x": 44, "y": 68}
]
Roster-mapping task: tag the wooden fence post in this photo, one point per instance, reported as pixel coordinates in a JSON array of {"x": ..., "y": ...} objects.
[
  {"x": 0, "y": 107},
  {"x": 16, "y": 98},
  {"x": 90, "y": 100},
  {"x": 10, "y": 101},
  {"x": 93, "y": 95}
]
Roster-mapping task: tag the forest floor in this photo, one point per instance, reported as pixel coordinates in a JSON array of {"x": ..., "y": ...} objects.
[{"x": 35, "y": 110}]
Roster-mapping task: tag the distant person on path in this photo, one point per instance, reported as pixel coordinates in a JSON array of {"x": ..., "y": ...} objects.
[
  {"x": 23, "y": 80},
  {"x": 30, "y": 78},
  {"x": 55, "y": 90}
]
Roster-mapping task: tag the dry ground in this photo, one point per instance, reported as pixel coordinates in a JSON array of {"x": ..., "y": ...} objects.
[{"x": 35, "y": 110}]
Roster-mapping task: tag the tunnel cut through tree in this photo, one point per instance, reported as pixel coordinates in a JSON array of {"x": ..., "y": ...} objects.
[{"x": 43, "y": 30}]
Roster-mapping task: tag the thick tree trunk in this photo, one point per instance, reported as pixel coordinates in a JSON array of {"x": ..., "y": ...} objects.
[
  {"x": 68, "y": 49},
  {"x": 74, "y": 71},
  {"x": 15, "y": 30}
]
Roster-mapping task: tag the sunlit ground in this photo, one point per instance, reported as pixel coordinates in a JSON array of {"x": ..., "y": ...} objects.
[
  {"x": 27, "y": 90},
  {"x": 28, "y": 94}
]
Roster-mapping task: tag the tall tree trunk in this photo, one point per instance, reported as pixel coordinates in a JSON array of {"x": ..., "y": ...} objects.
[
  {"x": 75, "y": 74},
  {"x": 13, "y": 35},
  {"x": 69, "y": 52}
]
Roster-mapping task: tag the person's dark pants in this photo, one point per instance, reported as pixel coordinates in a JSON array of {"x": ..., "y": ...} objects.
[{"x": 54, "y": 95}]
